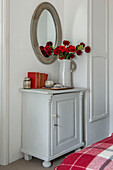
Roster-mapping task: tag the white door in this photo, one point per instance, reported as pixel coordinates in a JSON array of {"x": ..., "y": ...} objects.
[
  {"x": 98, "y": 71},
  {"x": 65, "y": 122}
]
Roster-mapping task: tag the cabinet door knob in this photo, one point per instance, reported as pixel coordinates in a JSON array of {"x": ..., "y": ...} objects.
[
  {"x": 54, "y": 115},
  {"x": 55, "y": 124}
]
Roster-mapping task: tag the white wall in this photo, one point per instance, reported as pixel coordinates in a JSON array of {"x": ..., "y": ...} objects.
[
  {"x": 22, "y": 60},
  {"x": 75, "y": 30},
  {"x": 111, "y": 61}
]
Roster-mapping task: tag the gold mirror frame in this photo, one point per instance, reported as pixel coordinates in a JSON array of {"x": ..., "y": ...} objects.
[{"x": 33, "y": 31}]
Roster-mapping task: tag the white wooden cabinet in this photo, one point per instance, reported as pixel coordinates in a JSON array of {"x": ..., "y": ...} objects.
[{"x": 51, "y": 123}]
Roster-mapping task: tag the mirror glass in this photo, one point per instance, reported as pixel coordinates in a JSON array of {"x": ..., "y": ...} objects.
[{"x": 46, "y": 30}]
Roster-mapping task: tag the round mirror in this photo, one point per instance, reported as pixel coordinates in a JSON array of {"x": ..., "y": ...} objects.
[{"x": 45, "y": 27}]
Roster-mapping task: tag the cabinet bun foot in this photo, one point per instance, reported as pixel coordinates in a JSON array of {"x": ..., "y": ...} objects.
[
  {"x": 27, "y": 157},
  {"x": 46, "y": 164}
]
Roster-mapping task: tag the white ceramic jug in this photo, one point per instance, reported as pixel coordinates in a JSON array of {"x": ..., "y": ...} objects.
[{"x": 65, "y": 72}]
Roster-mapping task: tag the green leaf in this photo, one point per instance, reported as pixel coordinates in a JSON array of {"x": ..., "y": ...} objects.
[
  {"x": 52, "y": 50},
  {"x": 65, "y": 54},
  {"x": 77, "y": 47},
  {"x": 80, "y": 47},
  {"x": 51, "y": 46},
  {"x": 61, "y": 54}
]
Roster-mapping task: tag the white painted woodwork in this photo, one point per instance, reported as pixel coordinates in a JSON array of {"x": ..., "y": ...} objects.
[
  {"x": 99, "y": 59},
  {"x": 111, "y": 62},
  {"x": 51, "y": 122},
  {"x": 27, "y": 157},
  {"x": 99, "y": 93},
  {"x": 99, "y": 25},
  {"x": 66, "y": 133},
  {"x": 4, "y": 80},
  {"x": 46, "y": 164}
]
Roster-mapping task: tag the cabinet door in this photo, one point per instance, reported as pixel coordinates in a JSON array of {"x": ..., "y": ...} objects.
[{"x": 66, "y": 123}]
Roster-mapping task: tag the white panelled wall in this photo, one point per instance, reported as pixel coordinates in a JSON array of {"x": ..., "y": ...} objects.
[
  {"x": 83, "y": 20},
  {"x": 111, "y": 62},
  {"x": 98, "y": 70},
  {"x": 4, "y": 80}
]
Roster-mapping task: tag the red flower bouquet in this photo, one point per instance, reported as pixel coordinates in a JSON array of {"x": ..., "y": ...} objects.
[{"x": 65, "y": 51}]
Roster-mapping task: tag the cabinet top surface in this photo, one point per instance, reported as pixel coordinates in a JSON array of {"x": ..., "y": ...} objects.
[{"x": 51, "y": 92}]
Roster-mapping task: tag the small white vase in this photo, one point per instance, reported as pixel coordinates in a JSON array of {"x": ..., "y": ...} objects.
[{"x": 65, "y": 72}]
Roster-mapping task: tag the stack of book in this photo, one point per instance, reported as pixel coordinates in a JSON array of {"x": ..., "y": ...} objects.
[{"x": 37, "y": 79}]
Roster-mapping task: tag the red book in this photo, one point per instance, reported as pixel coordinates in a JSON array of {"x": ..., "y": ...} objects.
[
  {"x": 35, "y": 79},
  {"x": 43, "y": 78}
]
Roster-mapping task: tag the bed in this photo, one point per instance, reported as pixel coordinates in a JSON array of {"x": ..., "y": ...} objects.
[{"x": 98, "y": 156}]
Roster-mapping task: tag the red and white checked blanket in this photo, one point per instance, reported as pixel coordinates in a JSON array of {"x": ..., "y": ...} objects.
[{"x": 98, "y": 156}]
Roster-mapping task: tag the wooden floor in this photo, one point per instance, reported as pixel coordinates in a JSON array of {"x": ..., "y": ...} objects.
[{"x": 34, "y": 164}]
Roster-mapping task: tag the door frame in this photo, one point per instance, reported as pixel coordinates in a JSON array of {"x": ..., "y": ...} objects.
[{"x": 4, "y": 80}]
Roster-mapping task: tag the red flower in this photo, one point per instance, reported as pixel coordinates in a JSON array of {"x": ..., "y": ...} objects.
[
  {"x": 65, "y": 42},
  {"x": 56, "y": 51},
  {"x": 72, "y": 48},
  {"x": 87, "y": 49},
  {"x": 48, "y": 53},
  {"x": 47, "y": 49},
  {"x": 79, "y": 52},
  {"x": 72, "y": 56},
  {"x": 62, "y": 48},
  {"x": 41, "y": 48},
  {"x": 49, "y": 43},
  {"x": 67, "y": 50},
  {"x": 45, "y": 54},
  {"x": 61, "y": 57},
  {"x": 82, "y": 44}
]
